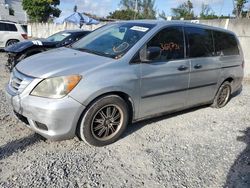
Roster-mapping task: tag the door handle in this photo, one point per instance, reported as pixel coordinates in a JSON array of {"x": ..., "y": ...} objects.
[
  {"x": 182, "y": 68},
  {"x": 198, "y": 66}
]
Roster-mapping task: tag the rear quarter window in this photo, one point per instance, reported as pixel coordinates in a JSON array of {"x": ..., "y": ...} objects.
[
  {"x": 225, "y": 44},
  {"x": 25, "y": 28}
]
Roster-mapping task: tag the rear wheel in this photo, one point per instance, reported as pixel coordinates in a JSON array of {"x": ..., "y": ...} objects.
[
  {"x": 11, "y": 42},
  {"x": 104, "y": 121},
  {"x": 223, "y": 95}
]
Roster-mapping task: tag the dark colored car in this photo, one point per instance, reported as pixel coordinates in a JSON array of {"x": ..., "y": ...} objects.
[{"x": 21, "y": 50}]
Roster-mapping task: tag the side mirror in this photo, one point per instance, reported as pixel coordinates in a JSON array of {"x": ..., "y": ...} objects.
[
  {"x": 146, "y": 55},
  {"x": 153, "y": 53},
  {"x": 66, "y": 43}
]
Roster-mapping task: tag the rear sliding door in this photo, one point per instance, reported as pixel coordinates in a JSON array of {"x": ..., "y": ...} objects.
[{"x": 205, "y": 67}]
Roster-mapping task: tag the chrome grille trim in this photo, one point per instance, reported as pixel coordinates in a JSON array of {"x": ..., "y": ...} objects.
[{"x": 18, "y": 81}]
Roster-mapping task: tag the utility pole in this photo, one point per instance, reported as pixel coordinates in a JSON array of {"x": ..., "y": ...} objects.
[
  {"x": 136, "y": 8},
  {"x": 236, "y": 9}
]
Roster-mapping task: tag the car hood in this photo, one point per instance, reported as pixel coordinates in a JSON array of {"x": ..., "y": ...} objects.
[
  {"x": 60, "y": 62},
  {"x": 22, "y": 46}
]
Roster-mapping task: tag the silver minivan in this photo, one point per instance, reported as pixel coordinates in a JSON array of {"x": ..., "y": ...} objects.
[{"x": 124, "y": 72}]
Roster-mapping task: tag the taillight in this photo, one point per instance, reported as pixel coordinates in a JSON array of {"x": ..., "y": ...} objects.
[{"x": 25, "y": 36}]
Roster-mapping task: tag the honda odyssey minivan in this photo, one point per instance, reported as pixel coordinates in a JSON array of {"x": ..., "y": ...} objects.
[{"x": 125, "y": 72}]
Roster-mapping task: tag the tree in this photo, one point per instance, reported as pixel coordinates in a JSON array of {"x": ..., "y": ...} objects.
[
  {"x": 135, "y": 9},
  {"x": 148, "y": 9},
  {"x": 75, "y": 8},
  {"x": 239, "y": 8},
  {"x": 162, "y": 15},
  {"x": 130, "y": 4},
  {"x": 207, "y": 12},
  {"x": 41, "y": 10},
  {"x": 184, "y": 10},
  {"x": 127, "y": 14}
]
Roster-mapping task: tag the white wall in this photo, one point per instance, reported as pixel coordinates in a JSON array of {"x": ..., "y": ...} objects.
[{"x": 43, "y": 30}]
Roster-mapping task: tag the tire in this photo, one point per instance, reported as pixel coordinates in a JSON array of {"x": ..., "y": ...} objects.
[
  {"x": 11, "y": 42},
  {"x": 222, "y": 96},
  {"x": 104, "y": 121}
]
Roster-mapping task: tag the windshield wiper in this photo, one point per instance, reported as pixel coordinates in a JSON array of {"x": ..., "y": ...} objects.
[{"x": 95, "y": 52}]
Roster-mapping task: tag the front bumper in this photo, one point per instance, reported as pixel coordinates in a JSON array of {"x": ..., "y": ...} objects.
[
  {"x": 54, "y": 119},
  {"x": 12, "y": 60}
]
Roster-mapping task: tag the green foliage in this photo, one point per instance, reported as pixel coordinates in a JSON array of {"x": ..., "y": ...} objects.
[
  {"x": 148, "y": 9},
  {"x": 129, "y": 4},
  {"x": 41, "y": 10},
  {"x": 184, "y": 10},
  {"x": 207, "y": 12},
  {"x": 239, "y": 11},
  {"x": 144, "y": 9},
  {"x": 127, "y": 14}
]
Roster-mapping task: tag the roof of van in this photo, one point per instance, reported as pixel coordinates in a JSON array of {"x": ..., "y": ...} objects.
[
  {"x": 178, "y": 22},
  {"x": 76, "y": 31}
]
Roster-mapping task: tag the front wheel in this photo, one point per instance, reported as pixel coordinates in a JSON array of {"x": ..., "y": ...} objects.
[
  {"x": 104, "y": 121},
  {"x": 223, "y": 95}
]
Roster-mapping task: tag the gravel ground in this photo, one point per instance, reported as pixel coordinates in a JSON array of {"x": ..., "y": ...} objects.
[{"x": 202, "y": 147}]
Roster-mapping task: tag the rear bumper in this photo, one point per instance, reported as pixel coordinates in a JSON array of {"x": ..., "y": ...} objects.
[{"x": 54, "y": 119}]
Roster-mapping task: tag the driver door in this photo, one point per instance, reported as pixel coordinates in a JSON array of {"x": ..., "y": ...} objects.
[{"x": 165, "y": 79}]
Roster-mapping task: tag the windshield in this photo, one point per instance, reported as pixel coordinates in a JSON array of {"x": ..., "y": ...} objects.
[
  {"x": 113, "y": 40},
  {"x": 58, "y": 37}
]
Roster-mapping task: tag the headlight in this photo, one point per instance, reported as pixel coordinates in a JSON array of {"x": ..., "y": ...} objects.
[{"x": 56, "y": 87}]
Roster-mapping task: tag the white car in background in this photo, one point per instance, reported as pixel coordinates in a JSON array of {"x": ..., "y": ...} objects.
[{"x": 11, "y": 33}]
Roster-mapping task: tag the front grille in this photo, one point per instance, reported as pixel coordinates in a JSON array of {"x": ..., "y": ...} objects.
[{"x": 18, "y": 81}]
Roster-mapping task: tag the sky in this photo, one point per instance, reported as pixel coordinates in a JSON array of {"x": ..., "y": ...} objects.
[{"x": 103, "y": 7}]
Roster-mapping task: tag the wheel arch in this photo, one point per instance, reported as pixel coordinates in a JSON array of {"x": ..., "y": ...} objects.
[
  {"x": 10, "y": 40},
  {"x": 124, "y": 95},
  {"x": 229, "y": 79}
]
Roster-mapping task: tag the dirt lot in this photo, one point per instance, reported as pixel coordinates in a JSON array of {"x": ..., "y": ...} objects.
[{"x": 202, "y": 147}]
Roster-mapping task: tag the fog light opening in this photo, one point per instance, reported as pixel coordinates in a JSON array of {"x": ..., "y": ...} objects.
[{"x": 41, "y": 126}]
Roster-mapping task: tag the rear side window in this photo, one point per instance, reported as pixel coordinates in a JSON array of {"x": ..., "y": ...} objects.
[
  {"x": 225, "y": 44},
  {"x": 2, "y": 27},
  {"x": 7, "y": 27},
  {"x": 200, "y": 42},
  {"x": 171, "y": 42},
  {"x": 10, "y": 27}
]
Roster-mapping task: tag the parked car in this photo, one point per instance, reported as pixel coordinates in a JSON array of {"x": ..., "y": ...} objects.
[
  {"x": 11, "y": 33},
  {"x": 21, "y": 50},
  {"x": 125, "y": 72}
]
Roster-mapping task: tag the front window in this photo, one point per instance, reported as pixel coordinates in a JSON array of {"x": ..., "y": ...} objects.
[
  {"x": 113, "y": 40},
  {"x": 170, "y": 41},
  {"x": 58, "y": 37}
]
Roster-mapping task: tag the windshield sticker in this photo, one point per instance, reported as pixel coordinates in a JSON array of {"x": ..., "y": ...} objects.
[
  {"x": 37, "y": 42},
  {"x": 123, "y": 46},
  {"x": 138, "y": 28},
  {"x": 66, "y": 34}
]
